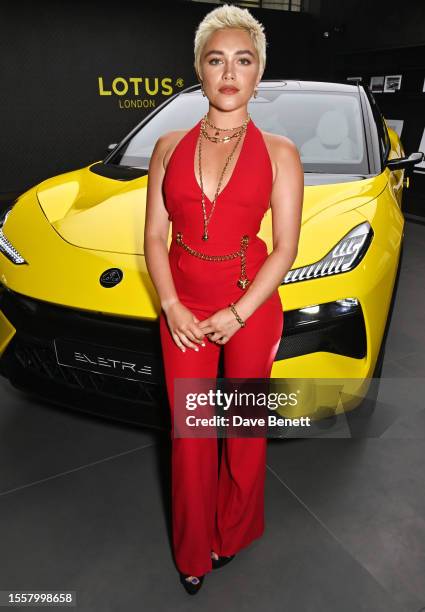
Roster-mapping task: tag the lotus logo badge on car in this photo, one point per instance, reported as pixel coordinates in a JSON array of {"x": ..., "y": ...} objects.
[{"x": 111, "y": 277}]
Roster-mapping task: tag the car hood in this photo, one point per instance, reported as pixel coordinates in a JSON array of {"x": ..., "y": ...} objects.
[{"x": 106, "y": 214}]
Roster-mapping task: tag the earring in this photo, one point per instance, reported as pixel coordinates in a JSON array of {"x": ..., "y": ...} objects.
[
  {"x": 255, "y": 93},
  {"x": 202, "y": 89}
]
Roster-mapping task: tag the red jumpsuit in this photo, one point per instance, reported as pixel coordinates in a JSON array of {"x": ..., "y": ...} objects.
[{"x": 222, "y": 512}]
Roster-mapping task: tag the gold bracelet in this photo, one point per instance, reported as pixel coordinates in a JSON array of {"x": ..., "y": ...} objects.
[{"x": 233, "y": 309}]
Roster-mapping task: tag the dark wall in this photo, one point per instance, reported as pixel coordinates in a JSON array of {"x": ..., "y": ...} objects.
[
  {"x": 376, "y": 39},
  {"x": 52, "y": 55},
  {"x": 376, "y": 24},
  {"x": 54, "y": 118}
]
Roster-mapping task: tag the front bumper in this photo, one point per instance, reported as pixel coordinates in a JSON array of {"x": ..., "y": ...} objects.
[
  {"x": 32, "y": 330},
  {"x": 29, "y": 359}
]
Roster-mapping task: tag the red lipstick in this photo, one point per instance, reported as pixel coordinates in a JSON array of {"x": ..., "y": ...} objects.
[{"x": 228, "y": 90}]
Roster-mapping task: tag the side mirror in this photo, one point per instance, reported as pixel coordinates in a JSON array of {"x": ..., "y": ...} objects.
[
  {"x": 405, "y": 162},
  {"x": 112, "y": 146}
]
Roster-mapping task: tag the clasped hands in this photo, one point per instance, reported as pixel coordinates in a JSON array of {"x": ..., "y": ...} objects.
[{"x": 188, "y": 331}]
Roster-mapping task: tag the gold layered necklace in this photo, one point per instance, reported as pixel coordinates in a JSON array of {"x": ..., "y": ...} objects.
[
  {"x": 238, "y": 133},
  {"x": 243, "y": 281},
  {"x": 218, "y": 130}
]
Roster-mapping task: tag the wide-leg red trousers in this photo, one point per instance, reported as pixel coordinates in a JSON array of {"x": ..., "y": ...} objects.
[{"x": 212, "y": 509}]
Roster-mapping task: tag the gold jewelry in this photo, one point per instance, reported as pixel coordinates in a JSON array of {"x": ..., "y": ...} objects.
[
  {"x": 218, "y": 130},
  {"x": 222, "y": 129},
  {"x": 243, "y": 281},
  {"x": 207, "y": 220},
  {"x": 255, "y": 93},
  {"x": 225, "y": 138},
  {"x": 233, "y": 309}
]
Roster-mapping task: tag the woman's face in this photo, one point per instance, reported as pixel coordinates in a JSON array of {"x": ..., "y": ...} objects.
[{"x": 229, "y": 58}]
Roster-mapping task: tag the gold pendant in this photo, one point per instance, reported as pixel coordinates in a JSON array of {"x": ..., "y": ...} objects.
[
  {"x": 243, "y": 283},
  {"x": 205, "y": 236}
]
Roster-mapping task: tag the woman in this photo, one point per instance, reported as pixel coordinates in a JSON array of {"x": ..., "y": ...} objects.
[{"x": 215, "y": 182}]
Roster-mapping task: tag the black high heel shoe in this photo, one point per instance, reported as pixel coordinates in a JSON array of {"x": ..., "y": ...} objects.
[
  {"x": 216, "y": 563},
  {"x": 191, "y": 587}
]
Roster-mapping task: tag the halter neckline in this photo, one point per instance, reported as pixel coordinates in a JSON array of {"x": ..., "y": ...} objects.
[{"x": 236, "y": 168}]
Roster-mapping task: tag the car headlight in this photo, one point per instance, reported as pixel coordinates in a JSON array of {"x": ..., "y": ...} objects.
[
  {"x": 6, "y": 247},
  {"x": 345, "y": 256}
]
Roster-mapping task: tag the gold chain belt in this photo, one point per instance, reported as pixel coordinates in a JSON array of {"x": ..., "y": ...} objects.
[{"x": 243, "y": 281}]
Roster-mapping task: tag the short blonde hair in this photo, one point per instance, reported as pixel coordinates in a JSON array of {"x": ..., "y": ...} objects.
[{"x": 230, "y": 16}]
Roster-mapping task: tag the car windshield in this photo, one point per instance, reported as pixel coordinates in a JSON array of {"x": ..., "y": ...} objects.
[{"x": 325, "y": 126}]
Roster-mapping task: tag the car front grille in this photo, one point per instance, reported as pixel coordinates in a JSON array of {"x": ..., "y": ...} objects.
[
  {"x": 41, "y": 360},
  {"x": 30, "y": 358},
  {"x": 341, "y": 334}
]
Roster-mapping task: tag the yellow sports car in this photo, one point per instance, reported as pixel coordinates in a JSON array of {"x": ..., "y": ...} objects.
[{"x": 78, "y": 311}]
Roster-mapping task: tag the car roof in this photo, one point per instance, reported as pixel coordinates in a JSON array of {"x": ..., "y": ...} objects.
[
  {"x": 294, "y": 84},
  {"x": 301, "y": 85}
]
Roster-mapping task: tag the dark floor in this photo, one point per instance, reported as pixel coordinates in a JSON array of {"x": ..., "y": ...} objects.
[{"x": 84, "y": 503}]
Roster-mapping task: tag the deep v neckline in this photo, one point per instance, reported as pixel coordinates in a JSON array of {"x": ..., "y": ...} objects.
[{"x": 235, "y": 169}]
